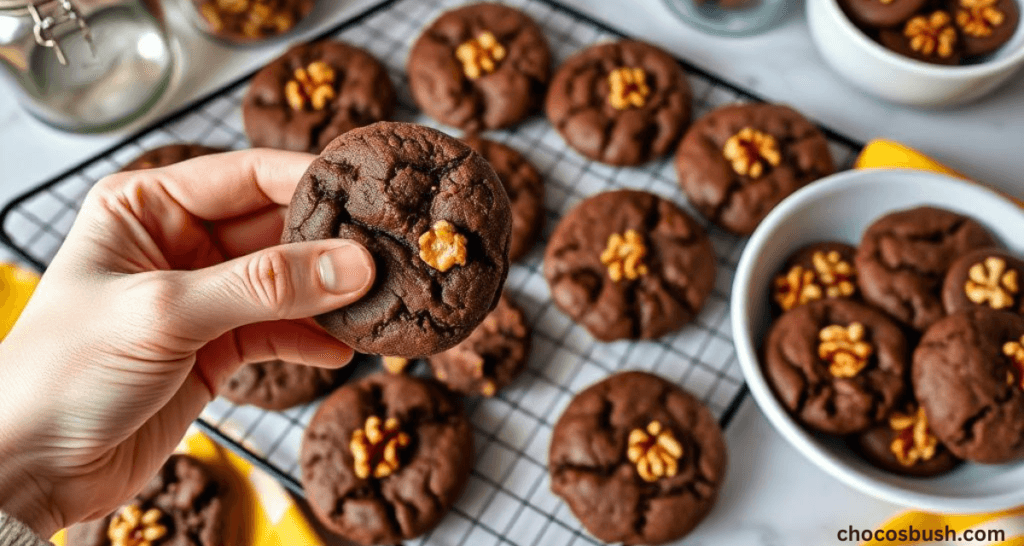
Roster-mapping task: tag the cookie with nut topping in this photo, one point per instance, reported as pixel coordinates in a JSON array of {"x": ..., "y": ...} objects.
[
  {"x": 816, "y": 271},
  {"x": 986, "y": 277},
  {"x": 434, "y": 216},
  {"x": 968, "y": 375},
  {"x": 904, "y": 444},
  {"x": 181, "y": 505},
  {"x": 251, "y": 20},
  {"x": 637, "y": 459},
  {"x": 985, "y": 25},
  {"x": 836, "y": 365},
  {"x": 930, "y": 36},
  {"x": 385, "y": 458},
  {"x": 628, "y": 264},
  {"x": 620, "y": 103},
  {"x": 739, "y": 161},
  {"x": 480, "y": 67},
  {"x": 313, "y": 93}
]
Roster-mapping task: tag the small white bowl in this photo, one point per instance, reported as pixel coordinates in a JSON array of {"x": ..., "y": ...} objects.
[
  {"x": 900, "y": 79},
  {"x": 840, "y": 208}
]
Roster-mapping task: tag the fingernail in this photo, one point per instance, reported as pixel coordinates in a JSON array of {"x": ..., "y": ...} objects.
[{"x": 346, "y": 269}]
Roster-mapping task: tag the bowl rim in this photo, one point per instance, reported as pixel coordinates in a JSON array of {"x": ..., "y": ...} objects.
[
  {"x": 880, "y": 52},
  {"x": 747, "y": 353}
]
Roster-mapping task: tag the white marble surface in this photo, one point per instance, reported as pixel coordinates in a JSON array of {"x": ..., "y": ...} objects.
[{"x": 772, "y": 495}]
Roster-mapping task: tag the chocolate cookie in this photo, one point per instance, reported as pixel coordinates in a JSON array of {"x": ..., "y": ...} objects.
[
  {"x": 637, "y": 459},
  {"x": 904, "y": 444},
  {"x": 169, "y": 155},
  {"x": 314, "y": 92},
  {"x": 621, "y": 103},
  {"x": 181, "y": 506},
  {"x": 986, "y": 277},
  {"x": 930, "y": 36},
  {"x": 739, "y": 161},
  {"x": 385, "y": 458},
  {"x": 491, "y": 357},
  {"x": 629, "y": 264},
  {"x": 277, "y": 385},
  {"x": 985, "y": 26},
  {"x": 251, "y": 20},
  {"x": 815, "y": 271},
  {"x": 968, "y": 375},
  {"x": 432, "y": 213},
  {"x": 479, "y": 67},
  {"x": 903, "y": 258},
  {"x": 881, "y": 13},
  {"x": 838, "y": 366},
  {"x": 525, "y": 192}
]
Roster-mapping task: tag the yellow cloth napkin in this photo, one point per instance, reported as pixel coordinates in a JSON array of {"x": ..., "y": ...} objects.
[
  {"x": 16, "y": 286},
  {"x": 886, "y": 154}
]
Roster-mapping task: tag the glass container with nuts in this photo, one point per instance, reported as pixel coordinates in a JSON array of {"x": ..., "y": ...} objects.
[{"x": 248, "y": 21}]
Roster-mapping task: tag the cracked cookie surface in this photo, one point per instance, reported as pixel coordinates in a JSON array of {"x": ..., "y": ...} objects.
[
  {"x": 169, "y": 155},
  {"x": 968, "y": 386},
  {"x": 591, "y": 468},
  {"x": 804, "y": 381},
  {"x": 278, "y": 385},
  {"x": 738, "y": 202},
  {"x": 578, "y": 103},
  {"x": 361, "y": 94},
  {"x": 903, "y": 258},
  {"x": 672, "y": 256},
  {"x": 509, "y": 92},
  {"x": 386, "y": 186},
  {"x": 431, "y": 470}
]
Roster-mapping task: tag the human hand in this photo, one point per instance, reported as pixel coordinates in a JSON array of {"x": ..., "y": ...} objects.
[{"x": 163, "y": 288}]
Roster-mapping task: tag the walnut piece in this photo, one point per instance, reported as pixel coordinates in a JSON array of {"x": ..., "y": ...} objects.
[
  {"x": 311, "y": 86},
  {"x": 834, "y": 273},
  {"x": 751, "y": 152},
  {"x": 913, "y": 441},
  {"x": 979, "y": 18},
  {"x": 932, "y": 34},
  {"x": 627, "y": 88},
  {"x": 832, "y": 277},
  {"x": 1015, "y": 351},
  {"x": 480, "y": 55},
  {"x": 442, "y": 247},
  {"x": 844, "y": 348},
  {"x": 654, "y": 451},
  {"x": 395, "y": 364},
  {"x": 133, "y": 527},
  {"x": 990, "y": 282},
  {"x": 796, "y": 287},
  {"x": 375, "y": 447},
  {"x": 624, "y": 256}
]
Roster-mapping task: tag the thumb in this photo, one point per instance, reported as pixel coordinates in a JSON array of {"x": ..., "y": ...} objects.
[{"x": 290, "y": 281}]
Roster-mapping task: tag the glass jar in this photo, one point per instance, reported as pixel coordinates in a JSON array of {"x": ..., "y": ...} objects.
[
  {"x": 85, "y": 65},
  {"x": 732, "y": 17}
]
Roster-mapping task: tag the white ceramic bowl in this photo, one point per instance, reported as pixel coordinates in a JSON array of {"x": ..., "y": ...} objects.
[
  {"x": 896, "y": 78},
  {"x": 840, "y": 208}
]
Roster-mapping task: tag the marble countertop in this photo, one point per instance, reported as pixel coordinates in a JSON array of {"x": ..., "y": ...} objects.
[{"x": 772, "y": 496}]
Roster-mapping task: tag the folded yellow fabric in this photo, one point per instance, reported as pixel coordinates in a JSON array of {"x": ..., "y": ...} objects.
[
  {"x": 887, "y": 154},
  {"x": 16, "y": 286}
]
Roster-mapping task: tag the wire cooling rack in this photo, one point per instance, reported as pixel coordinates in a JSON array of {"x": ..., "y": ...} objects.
[{"x": 508, "y": 499}]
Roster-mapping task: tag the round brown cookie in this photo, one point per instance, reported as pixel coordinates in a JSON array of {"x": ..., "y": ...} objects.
[
  {"x": 837, "y": 365},
  {"x": 930, "y": 37},
  {"x": 903, "y": 258},
  {"x": 621, "y": 103},
  {"x": 278, "y": 385},
  {"x": 739, "y": 161},
  {"x": 169, "y": 155},
  {"x": 182, "y": 499},
  {"x": 904, "y": 444},
  {"x": 818, "y": 270},
  {"x": 985, "y": 26},
  {"x": 629, "y": 264},
  {"x": 986, "y": 277},
  {"x": 968, "y": 375},
  {"x": 385, "y": 458},
  {"x": 251, "y": 20},
  {"x": 434, "y": 216},
  {"x": 881, "y": 13},
  {"x": 525, "y": 192},
  {"x": 314, "y": 92},
  {"x": 491, "y": 357},
  {"x": 637, "y": 459},
  {"x": 479, "y": 67}
]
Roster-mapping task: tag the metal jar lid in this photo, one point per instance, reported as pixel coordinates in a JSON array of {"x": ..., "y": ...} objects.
[{"x": 47, "y": 15}]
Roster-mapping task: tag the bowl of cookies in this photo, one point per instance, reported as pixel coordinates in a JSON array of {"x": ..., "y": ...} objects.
[
  {"x": 878, "y": 319},
  {"x": 923, "y": 53}
]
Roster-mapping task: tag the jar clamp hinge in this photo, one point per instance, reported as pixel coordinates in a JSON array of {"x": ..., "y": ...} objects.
[{"x": 46, "y": 24}]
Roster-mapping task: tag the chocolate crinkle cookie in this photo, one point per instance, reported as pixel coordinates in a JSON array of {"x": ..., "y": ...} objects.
[
  {"x": 385, "y": 458},
  {"x": 434, "y": 216},
  {"x": 637, "y": 459},
  {"x": 169, "y": 155},
  {"x": 278, "y": 385}
]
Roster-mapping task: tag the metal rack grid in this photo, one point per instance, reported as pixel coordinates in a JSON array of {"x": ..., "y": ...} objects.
[{"x": 507, "y": 500}]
